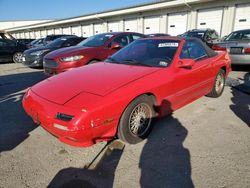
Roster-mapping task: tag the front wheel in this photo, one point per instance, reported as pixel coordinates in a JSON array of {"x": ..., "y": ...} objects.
[
  {"x": 136, "y": 121},
  {"x": 219, "y": 85},
  {"x": 17, "y": 57}
]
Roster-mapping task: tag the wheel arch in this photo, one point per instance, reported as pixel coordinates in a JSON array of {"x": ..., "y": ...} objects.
[{"x": 151, "y": 95}]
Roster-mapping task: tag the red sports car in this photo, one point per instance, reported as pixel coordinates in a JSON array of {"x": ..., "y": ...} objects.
[
  {"x": 94, "y": 49},
  {"x": 122, "y": 95}
]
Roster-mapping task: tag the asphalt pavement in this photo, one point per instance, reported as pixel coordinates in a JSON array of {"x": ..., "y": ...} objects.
[{"x": 204, "y": 144}]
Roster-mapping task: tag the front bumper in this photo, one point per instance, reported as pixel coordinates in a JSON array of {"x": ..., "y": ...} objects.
[
  {"x": 43, "y": 113},
  {"x": 33, "y": 61}
]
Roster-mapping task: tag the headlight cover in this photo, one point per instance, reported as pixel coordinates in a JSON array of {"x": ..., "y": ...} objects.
[
  {"x": 72, "y": 58},
  {"x": 38, "y": 52}
]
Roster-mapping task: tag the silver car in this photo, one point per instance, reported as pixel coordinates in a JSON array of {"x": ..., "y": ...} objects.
[{"x": 237, "y": 44}]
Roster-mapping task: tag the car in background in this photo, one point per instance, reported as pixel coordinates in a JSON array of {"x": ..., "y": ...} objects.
[
  {"x": 237, "y": 44},
  {"x": 34, "y": 57},
  {"x": 36, "y": 43},
  {"x": 209, "y": 36},
  {"x": 94, "y": 49},
  {"x": 50, "y": 38},
  {"x": 158, "y": 35},
  {"x": 121, "y": 96},
  {"x": 11, "y": 50}
]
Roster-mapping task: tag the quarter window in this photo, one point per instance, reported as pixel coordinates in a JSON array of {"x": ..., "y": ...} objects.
[{"x": 193, "y": 50}]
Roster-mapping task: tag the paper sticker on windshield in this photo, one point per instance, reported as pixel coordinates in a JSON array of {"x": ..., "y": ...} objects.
[
  {"x": 109, "y": 35},
  {"x": 168, "y": 44},
  {"x": 163, "y": 63}
]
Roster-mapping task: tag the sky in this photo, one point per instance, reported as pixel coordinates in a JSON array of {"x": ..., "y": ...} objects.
[{"x": 58, "y": 9}]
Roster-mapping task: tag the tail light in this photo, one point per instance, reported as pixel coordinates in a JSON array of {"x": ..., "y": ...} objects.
[
  {"x": 218, "y": 48},
  {"x": 247, "y": 50}
]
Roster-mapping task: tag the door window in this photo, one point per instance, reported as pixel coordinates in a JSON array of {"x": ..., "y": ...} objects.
[
  {"x": 122, "y": 40},
  {"x": 193, "y": 50}
]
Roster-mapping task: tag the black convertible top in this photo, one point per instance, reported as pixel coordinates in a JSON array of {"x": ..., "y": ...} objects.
[{"x": 210, "y": 52}]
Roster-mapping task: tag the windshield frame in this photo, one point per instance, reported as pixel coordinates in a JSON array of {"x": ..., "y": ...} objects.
[{"x": 135, "y": 62}]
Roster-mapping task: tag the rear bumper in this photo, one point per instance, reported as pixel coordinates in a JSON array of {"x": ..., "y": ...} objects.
[
  {"x": 43, "y": 112},
  {"x": 240, "y": 59}
]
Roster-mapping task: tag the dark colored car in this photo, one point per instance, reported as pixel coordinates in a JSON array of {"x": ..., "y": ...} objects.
[
  {"x": 237, "y": 44},
  {"x": 94, "y": 49},
  {"x": 50, "y": 38},
  {"x": 209, "y": 36},
  {"x": 36, "y": 43},
  {"x": 11, "y": 50},
  {"x": 34, "y": 56}
]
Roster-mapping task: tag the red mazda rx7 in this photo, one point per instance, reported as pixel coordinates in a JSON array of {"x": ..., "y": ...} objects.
[{"x": 121, "y": 96}]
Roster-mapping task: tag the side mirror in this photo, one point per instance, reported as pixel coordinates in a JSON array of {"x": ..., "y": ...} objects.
[
  {"x": 186, "y": 63},
  {"x": 115, "y": 45}
]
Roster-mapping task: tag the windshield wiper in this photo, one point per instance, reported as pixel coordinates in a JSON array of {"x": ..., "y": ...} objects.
[
  {"x": 135, "y": 62},
  {"x": 112, "y": 60}
]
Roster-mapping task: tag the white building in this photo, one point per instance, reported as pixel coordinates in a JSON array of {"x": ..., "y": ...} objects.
[{"x": 172, "y": 17}]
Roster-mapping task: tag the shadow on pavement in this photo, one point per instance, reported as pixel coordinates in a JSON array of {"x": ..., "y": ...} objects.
[
  {"x": 15, "y": 125},
  {"x": 100, "y": 174},
  {"x": 241, "y": 99},
  {"x": 164, "y": 161}
]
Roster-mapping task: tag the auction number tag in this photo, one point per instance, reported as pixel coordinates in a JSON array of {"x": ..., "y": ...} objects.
[{"x": 168, "y": 44}]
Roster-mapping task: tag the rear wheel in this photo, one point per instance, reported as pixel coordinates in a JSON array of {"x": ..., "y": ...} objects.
[
  {"x": 136, "y": 121},
  {"x": 219, "y": 85},
  {"x": 17, "y": 57}
]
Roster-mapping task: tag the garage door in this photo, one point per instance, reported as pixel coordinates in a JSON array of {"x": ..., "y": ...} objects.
[
  {"x": 210, "y": 18},
  {"x": 50, "y": 32},
  {"x": 98, "y": 28},
  {"x": 57, "y": 31},
  {"x": 177, "y": 23},
  {"x": 151, "y": 24},
  {"x": 43, "y": 33},
  {"x": 76, "y": 30},
  {"x": 66, "y": 30},
  {"x": 242, "y": 17},
  {"x": 86, "y": 32},
  {"x": 113, "y": 26},
  {"x": 37, "y": 34},
  {"x": 32, "y": 35},
  {"x": 131, "y": 25}
]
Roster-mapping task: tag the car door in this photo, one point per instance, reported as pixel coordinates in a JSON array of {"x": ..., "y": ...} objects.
[
  {"x": 7, "y": 48},
  {"x": 191, "y": 83}
]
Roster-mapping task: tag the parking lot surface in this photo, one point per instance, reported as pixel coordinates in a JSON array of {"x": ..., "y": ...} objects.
[{"x": 204, "y": 144}]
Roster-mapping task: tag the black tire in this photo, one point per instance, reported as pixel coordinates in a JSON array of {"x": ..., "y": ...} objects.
[
  {"x": 17, "y": 57},
  {"x": 219, "y": 85},
  {"x": 127, "y": 130},
  {"x": 93, "y": 61}
]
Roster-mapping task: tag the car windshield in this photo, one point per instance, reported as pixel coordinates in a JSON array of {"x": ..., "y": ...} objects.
[
  {"x": 96, "y": 40},
  {"x": 153, "y": 53},
  {"x": 57, "y": 43},
  {"x": 194, "y": 34},
  {"x": 239, "y": 35}
]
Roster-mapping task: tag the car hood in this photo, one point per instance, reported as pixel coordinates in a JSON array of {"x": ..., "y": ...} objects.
[
  {"x": 67, "y": 51},
  {"x": 37, "y": 49},
  {"x": 97, "y": 79}
]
